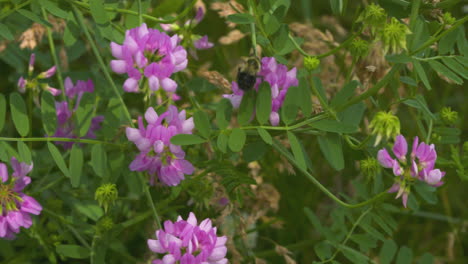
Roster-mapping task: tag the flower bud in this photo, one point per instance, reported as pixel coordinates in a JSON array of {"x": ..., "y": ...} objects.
[
  {"x": 384, "y": 125},
  {"x": 373, "y": 16},
  {"x": 22, "y": 85},
  {"x": 106, "y": 195},
  {"x": 370, "y": 167},
  {"x": 393, "y": 36},
  {"x": 105, "y": 224},
  {"x": 448, "y": 116},
  {"x": 311, "y": 63},
  {"x": 47, "y": 74},
  {"x": 448, "y": 19},
  {"x": 359, "y": 48},
  {"x": 32, "y": 59}
]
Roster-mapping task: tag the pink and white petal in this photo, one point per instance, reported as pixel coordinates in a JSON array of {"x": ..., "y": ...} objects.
[
  {"x": 118, "y": 66},
  {"x": 169, "y": 85},
  {"x": 131, "y": 85},
  {"x": 3, "y": 172},
  {"x": 151, "y": 116},
  {"x": 155, "y": 246}
]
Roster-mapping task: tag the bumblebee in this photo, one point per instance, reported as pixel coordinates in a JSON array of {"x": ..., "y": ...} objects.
[{"x": 247, "y": 73}]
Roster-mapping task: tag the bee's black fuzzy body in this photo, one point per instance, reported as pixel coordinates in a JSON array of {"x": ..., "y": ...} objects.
[{"x": 245, "y": 80}]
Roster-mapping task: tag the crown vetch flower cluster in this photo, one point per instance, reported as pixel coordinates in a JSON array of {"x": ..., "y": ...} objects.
[
  {"x": 419, "y": 166},
  {"x": 151, "y": 53},
  {"x": 66, "y": 125},
  {"x": 157, "y": 155},
  {"x": 187, "y": 242},
  {"x": 15, "y": 206},
  {"x": 33, "y": 83},
  {"x": 279, "y": 78}
]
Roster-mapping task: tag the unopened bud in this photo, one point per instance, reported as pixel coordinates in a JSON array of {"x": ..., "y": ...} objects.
[
  {"x": 448, "y": 116},
  {"x": 393, "y": 36},
  {"x": 384, "y": 125},
  {"x": 105, "y": 224},
  {"x": 22, "y": 85},
  {"x": 359, "y": 48},
  {"x": 106, "y": 195},
  {"x": 373, "y": 17},
  {"x": 370, "y": 167},
  {"x": 47, "y": 74},
  {"x": 448, "y": 19},
  {"x": 32, "y": 59},
  {"x": 311, "y": 63}
]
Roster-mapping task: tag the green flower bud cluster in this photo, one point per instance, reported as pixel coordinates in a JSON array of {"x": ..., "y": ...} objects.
[
  {"x": 393, "y": 36},
  {"x": 373, "y": 17},
  {"x": 311, "y": 63},
  {"x": 384, "y": 124},
  {"x": 369, "y": 168},
  {"x": 106, "y": 195},
  {"x": 359, "y": 48},
  {"x": 448, "y": 19},
  {"x": 105, "y": 224},
  {"x": 448, "y": 116}
]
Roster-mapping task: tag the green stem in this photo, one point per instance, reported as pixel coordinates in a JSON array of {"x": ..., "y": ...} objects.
[
  {"x": 414, "y": 13},
  {"x": 80, "y": 19},
  {"x": 69, "y": 226},
  {"x": 433, "y": 58},
  {"x": 150, "y": 200},
  {"x": 328, "y": 53},
  {"x": 93, "y": 248},
  {"x": 7, "y": 13},
  {"x": 48, "y": 139},
  {"x": 291, "y": 159},
  {"x": 252, "y": 30},
  {"x": 316, "y": 118},
  {"x": 148, "y": 17},
  {"x": 140, "y": 18},
  {"x": 349, "y": 234},
  {"x": 54, "y": 54}
]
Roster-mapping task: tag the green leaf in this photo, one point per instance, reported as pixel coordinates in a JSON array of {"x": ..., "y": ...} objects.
[
  {"x": 427, "y": 192},
  {"x": 30, "y": 15},
  {"x": 265, "y": 135},
  {"x": 2, "y": 111},
  {"x": 426, "y": 259},
  {"x": 187, "y": 139},
  {"x": 440, "y": 68},
  {"x": 405, "y": 255},
  {"x": 323, "y": 250},
  {"x": 297, "y": 150},
  {"x": 305, "y": 100},
  {"x": 271, "y": 23},
  {"x": 76, "y": 165},
  {"x": 89, "y": 208},
  {"x": 290, "y": 106},
  {"x": 98, "y": 12},
  {"x": 398, "y": 58},
  {"x": 447, "y": 43},
  {"x": 223, "y": 113},
  {"x": 57, "y": 156},
  {"x": 49, "y": 116},
  {"x": 254, "y": 151},
  {"x": 73, "y": 251},
  {"x": 19, "y": 114},
  {"x": 422, "y": 74},
  {"x": 222, "y": 142},
  {"x": 237, "y": 140},
  {"x": 263, "y": 108},
  {"x": 246, "y": 108},
  {"x": 345, "y": 93},
  {"x": 408, "y": 80},
  {"x": 334, "y": 126},
  {"x": 24, "y": 152},
  {"x": 330, "y": 145},
  {"x": 202, "y": 123},
  {"x": 336, "y": 6},
  {"x": 54, "y": 9},
  {"x": 241, "y": 18},
  {"x": 5, "y": 32},
  {"x": 281, "y": 38},
  {"x": 84, "y": 113},
  {"x": 364, "y": 241},
  {"x": 456, "y": 67},
  {"x": 317, "y": 224},
  {"x": 200, "y": 85},
  {"x": 387, "y": 252},
  {"x": 99, "y": 160},
  {"x": 317, "y": 83}
]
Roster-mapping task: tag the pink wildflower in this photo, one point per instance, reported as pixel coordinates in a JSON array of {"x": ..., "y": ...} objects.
[
  {"x": 15, "y": 206},
  {"x": 157, "y": 155},
  {"x": 187, "y": 242}
]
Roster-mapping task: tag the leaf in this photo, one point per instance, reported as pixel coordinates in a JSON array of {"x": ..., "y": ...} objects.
[
  {"x": 84, "y": 113},
  {"x": 30, "y": 15},
  {"x": 72, "y": 251},
  {"x": 223, "y": 113},
  {"x": 456, "y": 67},
  {"x": 426, "y": 259},
  {"x": 290, "y": 106},
  {"x": 441, "y": 69},
  {"x": 334, "y": 126},
  {"x": 5, "y": 32},
  {"x": 271, "y": 23},
  {"x": 49, "y": 116},
  {"x": 364, "y": 241},
  {"x": 99, "y": 160},
  {"x": 254, "y": 151},
  {"x": 422, "y": 74},
  {"x": 241, "y": 18},
  {"x": 200, "y": 85},
  {"x": 317, "y": 224},
  {"x": 2, "y": 111},
  {"x": 19, "y": 114},
  {"x": 237, "y": 140},
  {"x": 345, "y": 93},
  {"x": 89, "y": 208},
  {"x": 246, "y": 108},
  {"x": 447, "y": 43},
  {"x": 222, "y": 142},
  {"x": 263, "y": 108},
  {"x": 317, "y": 83},
  {"x": 297, "y": 150},
  {"x": 202, "y": 123},
  {"x": 24, "y": 152},
  {"x": 305, "y": 100},
  {"x": 58, "y": 159},
  {"x": 330, "y": 145},
  {"x": 323, "y": 250},
  {"x": 336, "y": 6},
  {"x": 405, "y": 255},
  {"x": 265, "y": 135},
  {"x": 54, "y": 9},
  {"x": 398, "y": 58},
  {"x": 388, "y": 251},
  {"x": 187, "y": 139},
  {"x": 98, "y": 12},
  {"x": 76, "y": 165},
  {"x": 427, "y": 192},
  {"x": 409, "y": 81}
]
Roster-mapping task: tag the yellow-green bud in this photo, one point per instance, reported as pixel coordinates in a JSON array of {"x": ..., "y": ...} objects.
[
  {"x": 370, "y": 167},
  {"x": 359, "y": 48},
  {"x": 448, "y": 19},
  {"x": 448, "y": 116},
  {"x": 384, "y": 125},
  {"x": 105, "y": 224},
  {"x": 373, "y": 16},
  {"x": 311, "y": 63},
  {"x": 393, "y": 36},
  {"x": 106, "y": 195}
]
